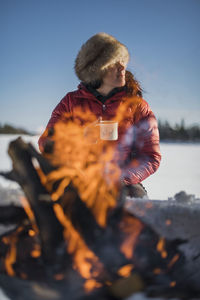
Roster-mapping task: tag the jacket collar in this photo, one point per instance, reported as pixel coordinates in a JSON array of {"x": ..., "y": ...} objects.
[{"x": 89, "y": 92}]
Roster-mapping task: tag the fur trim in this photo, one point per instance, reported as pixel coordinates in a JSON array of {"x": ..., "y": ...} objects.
[{"x": 99, "y": 52}]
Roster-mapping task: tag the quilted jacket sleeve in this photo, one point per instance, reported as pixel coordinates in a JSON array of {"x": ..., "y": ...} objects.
[
  {"x": 57, "y": 115},
  {"x": 144, "y": 158}
]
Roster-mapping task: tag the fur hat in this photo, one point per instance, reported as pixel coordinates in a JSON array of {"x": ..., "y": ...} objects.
[{"x": 99, "y": 52}]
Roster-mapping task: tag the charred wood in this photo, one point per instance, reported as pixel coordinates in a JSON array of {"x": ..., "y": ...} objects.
[
  {"x": 11, "y": 214},
  {"x": 50, "y": 230}
]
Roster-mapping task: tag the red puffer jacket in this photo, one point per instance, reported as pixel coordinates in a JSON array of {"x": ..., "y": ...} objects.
[{"x": 140, "y": 142}]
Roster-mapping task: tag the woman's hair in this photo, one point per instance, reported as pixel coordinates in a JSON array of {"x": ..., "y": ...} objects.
[
  {"x": 96, "y": 84},
  {"x": 132, "y": 85}
]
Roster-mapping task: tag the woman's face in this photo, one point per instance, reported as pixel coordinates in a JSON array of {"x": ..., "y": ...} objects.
[{"x": 115, "y": 75}]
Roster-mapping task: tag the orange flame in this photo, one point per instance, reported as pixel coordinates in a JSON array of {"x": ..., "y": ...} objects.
[
  {"x": 161, "y": 247},
  {"x": 36, "y": 252},
  {"x": 90, "y": 164},
  {"x": 85, "y": 261},
  {"x": 91, "y": 284},
  {"x": 157, "y": 271},
  {"x": 131, "y": 228},
  {"x": 31, "y": 232},
  {"x": 11, "y": 257},
  {"x": 125, "y": 271},
  {"x": 173, "y": 283},
  {"x": 29, "y": 213},
  {"x": 173, "y": 260},
  {"x": 12, "y": 252},
  {"x": 86, "y": 169}
]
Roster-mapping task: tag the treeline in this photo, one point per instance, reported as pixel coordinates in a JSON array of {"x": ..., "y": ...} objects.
[
  {"x": 179, "y": 132},
  {"x": 9, "y": 129}
]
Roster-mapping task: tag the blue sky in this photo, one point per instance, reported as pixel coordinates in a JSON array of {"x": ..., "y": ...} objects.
[{"x": 41, "y": 38}]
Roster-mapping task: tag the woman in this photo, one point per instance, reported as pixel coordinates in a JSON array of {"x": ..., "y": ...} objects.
[{"x": 106, "y": 85}]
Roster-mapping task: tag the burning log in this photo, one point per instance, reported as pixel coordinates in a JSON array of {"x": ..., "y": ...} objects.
[
  {"x": 25, "y": 174},
  {"x": 64, "y": 247}
]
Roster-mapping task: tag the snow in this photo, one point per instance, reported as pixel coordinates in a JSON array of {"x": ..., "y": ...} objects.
[
  {"x": 179, "y": 169},
  {"x": 3, "y": 296}
]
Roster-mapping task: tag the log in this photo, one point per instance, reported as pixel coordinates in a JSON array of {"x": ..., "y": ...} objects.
[
  {"x": 50, "y": 230},
  {"x": 11, "y": 214}
]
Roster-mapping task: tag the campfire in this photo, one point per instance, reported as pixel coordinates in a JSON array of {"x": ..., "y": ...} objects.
[{"x": 73, "y": 234}]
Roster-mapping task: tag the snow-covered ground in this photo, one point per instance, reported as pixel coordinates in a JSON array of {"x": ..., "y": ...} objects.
[{"x": 179, "y": 169}]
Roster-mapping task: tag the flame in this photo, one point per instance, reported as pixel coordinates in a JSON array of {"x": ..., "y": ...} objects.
[
  {"x": 42, "y": 176},
  {"x": 125, "y": 271},
  {"x": 161, "y": 247},
  {"x": 173, "y": 260},
  {"x": 91, "y": 165},
  {"x": 29, "y": 213},
  {"x": 85, "y": 261},
  {"x": 11, "y": 256},
  {"x": 157, "y": 271},
  {"x": 12, "y": 252},
  {"x": 64, "y": 183},
  {"x": 89, "y": 178},
  {"x": 31, "y": 232},
  {"x": 91, "y": 284},
  {"x": 36, "y": 252},
  {"x": 88, "y": 162},
  {"x": 131, "y": 228},
  {"x": 173, "y": 283}
]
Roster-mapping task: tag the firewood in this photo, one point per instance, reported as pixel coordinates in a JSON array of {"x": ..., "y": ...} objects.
[
  {"x": 11, "y": 214},
  {"x": 50, "y": 230}
]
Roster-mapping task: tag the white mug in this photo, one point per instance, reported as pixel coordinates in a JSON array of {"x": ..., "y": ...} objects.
[{"x": 108, "y": 130}]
